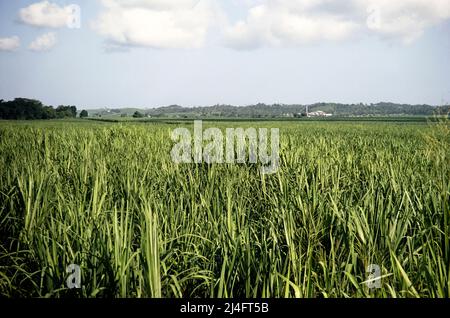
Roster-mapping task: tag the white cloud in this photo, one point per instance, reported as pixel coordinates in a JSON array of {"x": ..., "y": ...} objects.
[
  {"x": 405, "y": 19},
  {"x": 279, "y": 23},
  {"x": 298, "y": 22},
  {"x": 46, "y": 14},
  {"x": 156, "y": 23},
  {"x": 152, "y": 4},
  {"x": 9, "y": 44},
  {"x": 44, "y": 42}
]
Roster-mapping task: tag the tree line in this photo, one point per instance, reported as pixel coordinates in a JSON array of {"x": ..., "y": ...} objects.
[
  {"x": 24, "y": 108},
  {"x": 294, "y": 110}
]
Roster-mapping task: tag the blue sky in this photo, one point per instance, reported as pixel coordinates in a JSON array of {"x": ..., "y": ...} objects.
[{"x": 149, "y": 53}]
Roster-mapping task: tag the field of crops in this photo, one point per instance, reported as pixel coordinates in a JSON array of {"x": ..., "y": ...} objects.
[{"x": 108, "y": 197}]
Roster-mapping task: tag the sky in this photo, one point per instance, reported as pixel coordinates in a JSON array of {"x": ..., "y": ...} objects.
[{"x": 151, "y": 53}]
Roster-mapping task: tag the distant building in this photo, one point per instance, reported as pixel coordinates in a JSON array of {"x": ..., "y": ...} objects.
[{"x": 318, "y": 113}]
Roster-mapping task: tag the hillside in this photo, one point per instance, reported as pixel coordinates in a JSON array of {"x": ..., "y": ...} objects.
[{"x": 276, "y": 110}]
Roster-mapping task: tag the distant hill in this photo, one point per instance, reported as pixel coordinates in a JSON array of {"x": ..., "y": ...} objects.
[{"x": 276, "y": 110}]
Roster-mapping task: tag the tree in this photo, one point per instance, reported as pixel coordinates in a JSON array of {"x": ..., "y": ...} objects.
[
  {"x": 21, "y": 108},
  {"x": 66, "y": 111},
  {"x": 84, "y": 114},
  {"x": 138, "y": 114},
  {"x": 48, "y": 112},
  {"x": 24, "y": 108}
]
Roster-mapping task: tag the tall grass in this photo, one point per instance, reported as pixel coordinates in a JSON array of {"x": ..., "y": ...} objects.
[{"x": 108, "y": 198}]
